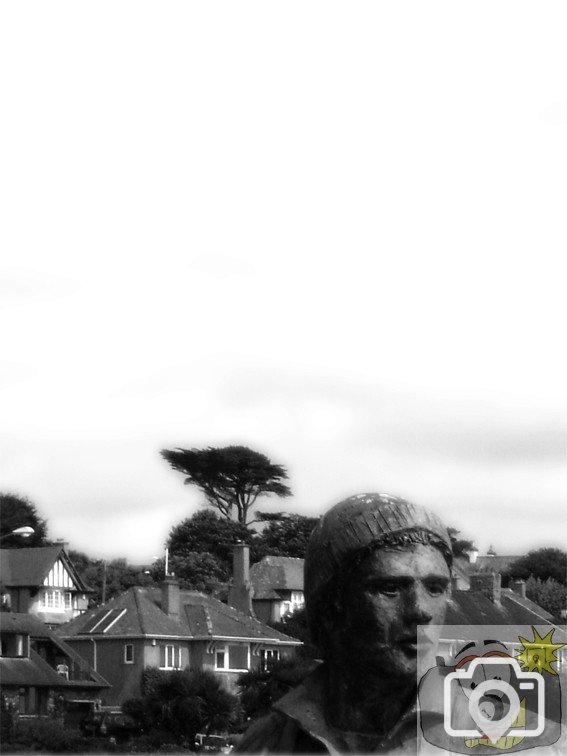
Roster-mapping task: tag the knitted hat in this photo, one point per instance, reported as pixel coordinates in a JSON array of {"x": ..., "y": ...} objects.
[{"x": 355, "y": 523}]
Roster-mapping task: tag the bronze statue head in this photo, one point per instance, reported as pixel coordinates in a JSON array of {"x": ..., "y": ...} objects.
[{"x": 377, "y": 567}]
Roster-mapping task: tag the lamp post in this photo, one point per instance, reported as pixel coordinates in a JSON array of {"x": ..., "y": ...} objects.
[{"x": 25, "y": 531}]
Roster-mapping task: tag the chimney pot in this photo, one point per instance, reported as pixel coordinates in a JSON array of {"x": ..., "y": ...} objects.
[
  {"x": 519, "y": 587},
  {"x": 170, "y": 599},
  {"x": 240, "y": 592},
  {"x": 473, "y": 555},
  {"x": 488, "y": 583}
]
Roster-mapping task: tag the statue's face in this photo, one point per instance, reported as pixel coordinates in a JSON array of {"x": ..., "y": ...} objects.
[{"x": 386, "y": 597}]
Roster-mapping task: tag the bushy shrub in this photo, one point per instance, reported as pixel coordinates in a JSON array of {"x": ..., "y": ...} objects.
[
  {"x": 181, "y": 703},
  {"x": 155, "y": 741},
  {"x": 47, "y": 736}
]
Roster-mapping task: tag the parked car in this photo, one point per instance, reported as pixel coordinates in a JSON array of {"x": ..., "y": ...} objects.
[
  {"x": 111, "y": 723},
  {"x": 212, "y": 743}
]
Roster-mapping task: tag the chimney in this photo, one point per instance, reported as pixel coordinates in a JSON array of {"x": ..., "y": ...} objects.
[
  {"x": 240, "y": 592},
  {"x": 64, "y": 545},
  {"x": 519, "y": 587},
  {"x": 454, "y": 583},
  {"x": 472, "y": 554},
  {"x": 489, "y": 583},
  {"x": 170, "y": 603}
]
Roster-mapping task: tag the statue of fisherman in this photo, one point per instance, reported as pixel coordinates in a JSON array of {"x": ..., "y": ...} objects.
[{"x": 376, "y": 568}]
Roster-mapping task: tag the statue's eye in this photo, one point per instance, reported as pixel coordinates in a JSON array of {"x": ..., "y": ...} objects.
[
  {"x": 389, "y": 589},
  {"x": 436, "y": 587}
]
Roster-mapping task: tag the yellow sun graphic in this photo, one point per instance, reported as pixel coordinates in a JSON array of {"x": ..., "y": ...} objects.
[{"x": 539, "y": 654}]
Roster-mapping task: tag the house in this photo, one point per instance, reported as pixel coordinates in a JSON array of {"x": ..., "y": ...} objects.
[
  {"x": 43, "y": 582},
  {"x": 170, "y": 628},
  {"x": 477, "y": 598},
  {"x": 38, "y": 670},
  {"x": 506, "y": 610},
  {"x": 277, "y": 587}
]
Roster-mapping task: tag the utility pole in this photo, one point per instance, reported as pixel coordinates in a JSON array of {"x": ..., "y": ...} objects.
[{"x": 104, "y": 581}]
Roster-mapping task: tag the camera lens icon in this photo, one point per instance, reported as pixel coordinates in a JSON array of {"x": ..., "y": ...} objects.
[{"x": 493, "y": 687}]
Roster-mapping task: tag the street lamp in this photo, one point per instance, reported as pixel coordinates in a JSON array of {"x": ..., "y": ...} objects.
[{"x": 25, "y": 531}]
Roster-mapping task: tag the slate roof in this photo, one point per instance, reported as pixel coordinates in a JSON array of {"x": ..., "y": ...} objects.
[
  {"x": 527, "y": 603},
  {"x": 209, "y": 617},
  {"x": 275, "y": 573},
  {"x": 137, "y": 613},
  {"x": 492, "y": 564},
  {"x": 474, "y": 608},
  {"x": 32, "y": 671},
  {"x": 131, "y": 613},
  {"x": 26, "y": 624},
  {"x": 30, "y": 567},
  {"x": 35, "y": 670}
]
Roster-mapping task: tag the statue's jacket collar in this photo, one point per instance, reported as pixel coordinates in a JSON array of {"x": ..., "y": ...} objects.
[{"x": 304, "y": 706}]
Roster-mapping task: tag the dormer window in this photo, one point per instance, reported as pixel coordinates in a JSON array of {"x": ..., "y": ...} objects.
[
  {"x": 15, "y": 645},
  {"x": 56, "y": 600}
]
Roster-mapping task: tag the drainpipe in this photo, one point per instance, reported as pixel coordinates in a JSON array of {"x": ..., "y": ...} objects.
[{"x": 94, "y": 653}]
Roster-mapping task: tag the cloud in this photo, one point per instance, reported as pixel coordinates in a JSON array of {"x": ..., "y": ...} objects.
[
  {"x": 471, "y": 429},
  {"x": 15, "y": 372},
  {"x": 555, "y": 113},
  {"x": 220, "y": 265},
  {"x": 24, "y": 287}
]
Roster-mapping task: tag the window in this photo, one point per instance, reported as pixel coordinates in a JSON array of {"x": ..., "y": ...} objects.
[
  {"x": 170, "y": 657},
  {"x": 220, "y": 660},
  {"x": 267, "y": 657},
  {"x": 233, "y": 657},
  {"x": 52, "y": 599},
  {"x": 297, "y": 599},
  {"x": 68, "y": 600},
  {"x": 128, "y": 653}
]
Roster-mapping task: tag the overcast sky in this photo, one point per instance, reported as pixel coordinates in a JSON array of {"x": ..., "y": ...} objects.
[{"x": 333, "y": 232}]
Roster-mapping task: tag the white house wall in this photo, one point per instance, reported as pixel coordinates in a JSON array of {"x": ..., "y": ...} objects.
[{"x": 59, "y": 577}]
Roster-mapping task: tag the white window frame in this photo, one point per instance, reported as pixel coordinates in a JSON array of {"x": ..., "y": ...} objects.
[
  {"x": 224, "y": 648},
  {"x": 172, "y": 653},
  {"x": 126, "y": 659},
  {"x": 53, "y": 600},
  {"x": 268, "y": 655},
  {"x": 297, "y": 599}
]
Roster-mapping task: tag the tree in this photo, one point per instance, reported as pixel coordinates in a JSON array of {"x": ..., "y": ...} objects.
[
  {"x": 541, "y": 563},
  {"x": 200, "y": 551},
  {"x": 295, "y": 625},
  {"x": 16, "y": 512},
  {"x": 205, "y": 531},
  {"x": 260, "y": 689},
  {"x": 549, "y": 594},
  {"x": 460, "y": 545},
  {"x": 182, "y": 704},
  {"x": 195, "y": 571},
  {"x": 107, "y": 578},
  {"x": 285, "y": 535},
  {"x": 231, "y": 477}
]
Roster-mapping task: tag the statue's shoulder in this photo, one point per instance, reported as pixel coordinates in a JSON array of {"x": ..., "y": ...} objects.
[
  {"x": 274, "y": 733},
  {"x": 277, "y": 733}
]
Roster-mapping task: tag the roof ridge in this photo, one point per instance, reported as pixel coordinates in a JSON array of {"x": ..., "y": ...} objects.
[
  {"x": 208, "y": 620},
  {"x": 139, "y": 611}
]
